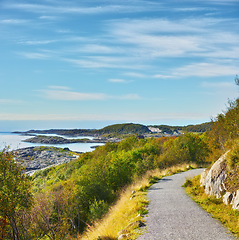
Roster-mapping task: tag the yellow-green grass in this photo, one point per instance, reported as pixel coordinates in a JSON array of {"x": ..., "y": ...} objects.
[
  {"x": 214, "y": 206},
  {"x": 130, "y": 208}
]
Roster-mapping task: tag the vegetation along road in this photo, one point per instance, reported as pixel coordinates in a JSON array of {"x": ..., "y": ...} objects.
[{"x": 173, "y": 215}]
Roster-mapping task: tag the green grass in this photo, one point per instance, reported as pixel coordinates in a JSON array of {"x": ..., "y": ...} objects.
[{"x": 213, "y": 205}]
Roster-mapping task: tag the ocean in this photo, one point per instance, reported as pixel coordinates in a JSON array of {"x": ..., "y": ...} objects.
[{"x": 15, "y": 141}]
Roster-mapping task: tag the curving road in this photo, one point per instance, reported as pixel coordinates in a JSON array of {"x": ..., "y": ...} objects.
[{"x": 173, "y": 215}]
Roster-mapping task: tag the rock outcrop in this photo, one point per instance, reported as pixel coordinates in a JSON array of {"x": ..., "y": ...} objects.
[
  {"x": 60, "y": 140},
  {"x": 214, "y": 181},
  {"x": 36, "y": 158}
]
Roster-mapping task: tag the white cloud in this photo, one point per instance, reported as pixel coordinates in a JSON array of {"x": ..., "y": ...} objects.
[
  {"x": 105, "y": 62},
  {"x": 97, "y": 48},
  {"x": 69, "y": 8},
  {"x": 10, "y": 101},
  {"x": 13, "y": 21},
  {"x": 117, "y": 80},
  {"x": 162, "y": 76},
  {"x": 62, "y": 93},
  {"x": 37, "y": 42},
  {"x": 135, "y": 74},
  {"x": 34, "y": 55},
  {"x": 206, "y": 69},
  {"x": 155, "y": 38},
  {"x": 68, "y": 95}
]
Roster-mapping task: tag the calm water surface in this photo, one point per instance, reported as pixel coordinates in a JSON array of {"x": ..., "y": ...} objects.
[{"x": 15, "y": 141}]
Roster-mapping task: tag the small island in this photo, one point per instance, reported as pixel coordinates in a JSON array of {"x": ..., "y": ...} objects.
[{"x": 60, "y": 140}]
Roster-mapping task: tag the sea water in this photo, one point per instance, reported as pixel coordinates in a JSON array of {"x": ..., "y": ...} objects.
[{"x": 15, "y": 141}]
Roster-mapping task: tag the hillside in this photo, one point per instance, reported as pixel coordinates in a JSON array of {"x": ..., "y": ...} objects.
[
  {"x": 198, "y": 128},
  {"x": 124, "y": 129},
  {"x": 127, "y": 128}
]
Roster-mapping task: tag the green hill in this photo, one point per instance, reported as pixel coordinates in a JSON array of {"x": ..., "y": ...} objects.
[{"x": 126, "y": 128}]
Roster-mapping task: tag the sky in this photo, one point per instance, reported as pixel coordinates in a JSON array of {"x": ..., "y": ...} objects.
[{"x": 90, "y": 63}]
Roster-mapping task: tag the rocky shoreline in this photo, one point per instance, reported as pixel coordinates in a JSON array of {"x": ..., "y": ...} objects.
[
  {"x": 60, "y": 140},
  {"x": 38, "y": 158}
]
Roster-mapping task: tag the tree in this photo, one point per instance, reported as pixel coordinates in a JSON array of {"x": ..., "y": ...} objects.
[{"x": 15, "y": 197}]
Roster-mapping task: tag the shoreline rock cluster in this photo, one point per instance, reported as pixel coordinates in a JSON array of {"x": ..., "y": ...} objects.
[
  {"x": 214, "y": 182},
  {"x": 37, "y": 158},
  {"x": 61, "y": 140}
]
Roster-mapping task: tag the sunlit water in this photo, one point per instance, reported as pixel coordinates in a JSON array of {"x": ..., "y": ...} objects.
[{"x": 15, "y": 141}]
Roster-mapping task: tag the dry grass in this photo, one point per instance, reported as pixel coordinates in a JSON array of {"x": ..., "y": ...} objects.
[{"x": 130, "y": 208}]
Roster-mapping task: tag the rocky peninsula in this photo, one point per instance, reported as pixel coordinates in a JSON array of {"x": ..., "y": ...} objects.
[
  {"x": 36, "y": 158},
  {"x": 60, "y": 140}
]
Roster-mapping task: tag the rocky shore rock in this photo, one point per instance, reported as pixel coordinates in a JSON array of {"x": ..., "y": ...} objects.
[
  {"x": 60, "y": 140},
  {"x": 214, "y": 181},
  {"x": 36, "y": 158}
]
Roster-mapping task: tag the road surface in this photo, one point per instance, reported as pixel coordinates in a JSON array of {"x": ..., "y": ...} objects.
[{"x": 174, "y": 215}]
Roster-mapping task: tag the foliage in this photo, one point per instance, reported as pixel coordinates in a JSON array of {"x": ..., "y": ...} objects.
[
  {"x": 186, "y": 148},
  {"x": 98, "y": 177},
  {"x": 198, "y": 128},
  {"x": 126, "y": 128},
  {"x": 225, "y": 127},
  {"x": 15, "y": 197}
]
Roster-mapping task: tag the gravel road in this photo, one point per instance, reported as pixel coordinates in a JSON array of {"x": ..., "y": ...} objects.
[{"x": 173, "y": 215}]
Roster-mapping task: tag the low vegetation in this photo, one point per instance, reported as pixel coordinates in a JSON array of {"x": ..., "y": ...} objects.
[{"x": 70, "y": 197}]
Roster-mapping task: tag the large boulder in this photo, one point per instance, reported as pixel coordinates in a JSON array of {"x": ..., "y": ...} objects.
[{"x": 213, "y": 179}]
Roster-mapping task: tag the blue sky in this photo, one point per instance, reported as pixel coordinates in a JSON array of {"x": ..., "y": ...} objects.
[{"x": 90, "y": 63}]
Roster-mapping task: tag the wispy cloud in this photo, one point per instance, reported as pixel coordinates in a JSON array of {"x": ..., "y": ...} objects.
[
  {"x": 135, "y": 74},
  {"x": 63, "y": 93},
  {"x": 117, "y": 80},
  {"x": 37, "y": 42},
  {"x": 162, "y": 76},
  {"x": 10, "y": 101},
  {"x": 13, "y": 21},
  {"x": 206, "y": 69},
  {"x": 123, "y": 62},
  {"x": 75, "y": 8},
  {"x": 34, "y": 55},
  {"x": 154, "y": 38}
]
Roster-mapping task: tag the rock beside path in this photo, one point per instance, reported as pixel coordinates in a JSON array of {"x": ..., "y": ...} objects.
[
  {"x": 36, "y": 158},
  {"x": 215, "y": 183}
]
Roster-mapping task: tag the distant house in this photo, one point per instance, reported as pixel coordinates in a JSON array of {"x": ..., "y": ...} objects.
[{"x": 155, "y": 130}]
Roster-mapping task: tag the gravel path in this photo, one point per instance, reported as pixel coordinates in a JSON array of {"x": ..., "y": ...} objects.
[{"x": 173, "y": 215}]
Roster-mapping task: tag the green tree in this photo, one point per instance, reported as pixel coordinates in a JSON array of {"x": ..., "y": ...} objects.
[{"x": 15, "y": 197}]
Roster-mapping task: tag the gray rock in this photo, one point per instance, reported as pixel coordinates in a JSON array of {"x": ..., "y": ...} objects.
[
  {"x": 203, "y": 177},
  {"x": 123, "y": 236},
  {"x": 235, "y": 201},
  {"x": 214, "y": 181},
  {"x": 228, "y": 197},
  {"x": 36, "y": 158}
]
